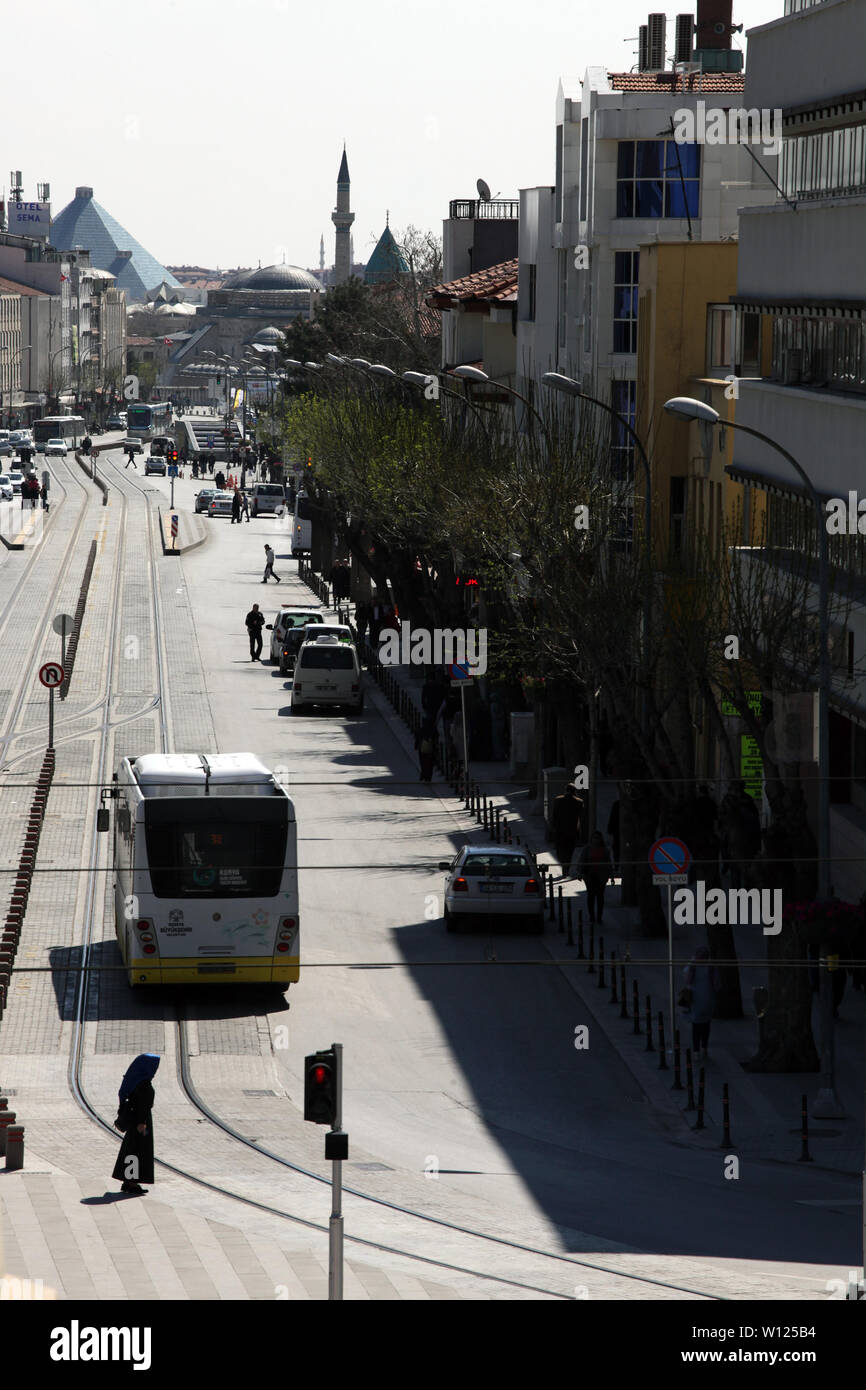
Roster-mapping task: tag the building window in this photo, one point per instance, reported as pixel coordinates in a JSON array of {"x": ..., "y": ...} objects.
[
  {"x": 557, "y": 197},
  {"x": 625, "y": 278},
  {"x": 563, "y": 297},
  {"x": 584, "y": 165},
  {"x": 826, "y": 353},
  {"x": 530, "y": 293},
  {"x": 824, "y": 163},
  {"x": 657, "y": 178},
  {"x": 623, "y": 395},
  {"x": 720, "y": 339}
]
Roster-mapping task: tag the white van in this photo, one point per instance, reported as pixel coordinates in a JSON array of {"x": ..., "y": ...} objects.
[
  {"x": 327, "y": 672},
  {"x": 267, "y": 499},
  {"x": 302, "y": 526}
]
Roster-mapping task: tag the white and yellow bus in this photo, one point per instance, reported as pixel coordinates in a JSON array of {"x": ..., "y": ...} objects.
[{"x": 206, "y": 871}]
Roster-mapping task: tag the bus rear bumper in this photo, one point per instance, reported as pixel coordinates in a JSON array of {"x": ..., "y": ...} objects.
[{"x": 279, "y": 970}]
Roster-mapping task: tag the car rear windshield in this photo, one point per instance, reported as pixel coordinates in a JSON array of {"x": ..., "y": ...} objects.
[
  {"x": 327, "y": 659},
  {"x": 479, "y": 865},
  {"x": 269, "y": 490}
]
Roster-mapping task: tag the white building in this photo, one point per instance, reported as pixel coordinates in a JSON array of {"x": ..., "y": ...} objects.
[{"x": 625, "y": 175}]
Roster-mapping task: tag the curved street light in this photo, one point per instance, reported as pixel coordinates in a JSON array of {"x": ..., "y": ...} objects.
[
  {"x": 423, "y": 380},
  {"x": 467, "y": 373}
]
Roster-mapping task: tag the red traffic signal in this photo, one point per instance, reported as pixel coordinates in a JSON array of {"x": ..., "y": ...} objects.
[{"x": 320, "y": 1087}]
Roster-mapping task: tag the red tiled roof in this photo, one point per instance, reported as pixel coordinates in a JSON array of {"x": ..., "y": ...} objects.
[
  {"x": 13, "y": 287},
  {"x": 677, "y": 82},
  {"x": 497, "y": 283}
]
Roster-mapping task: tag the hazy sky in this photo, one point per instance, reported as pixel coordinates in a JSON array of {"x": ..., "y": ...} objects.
[{"x": 213, "y": 131}]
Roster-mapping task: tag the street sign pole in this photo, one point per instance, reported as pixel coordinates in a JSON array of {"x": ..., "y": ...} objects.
[
  {"x": 63, "y": 640},
  {"x": 465, "y": 735},
  {"x": 335, "y": 1225},
  {"x": 51, "y": 716},
  {"x": 669, "y": 860},
  {"x": 671, "y": 966},
  {"x": 171, "y": 503}
]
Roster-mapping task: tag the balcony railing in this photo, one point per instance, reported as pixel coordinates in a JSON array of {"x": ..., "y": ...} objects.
[
  {"x": 794, "y": 6},
  {"x": 494, "y": 208}
]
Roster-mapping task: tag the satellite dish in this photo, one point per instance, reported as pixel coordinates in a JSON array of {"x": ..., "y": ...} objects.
[{"x": 483, "y": 190}]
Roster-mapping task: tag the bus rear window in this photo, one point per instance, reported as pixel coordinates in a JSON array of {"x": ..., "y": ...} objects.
[
  {"x": 316, "y": 658},
  {"x": 201, "y": 850}
]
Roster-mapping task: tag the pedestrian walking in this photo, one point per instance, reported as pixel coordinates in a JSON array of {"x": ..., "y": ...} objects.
[
  {"x": 269, "y": 565},
  {"x": 245, "y": 506},
  {"x": 701, "y": 984},
  {"x": 43, "y": 493},
  {"x": 220, "y": 480},
  {"x": 362, "y": 619},
  {"x": 236, "y": 506},
  {"x": 424, "y": 745},
  {"x": 567, "y": 819},
  {"x": 135, "y": 1161},
  {"x": 255, "y": 621},
  {"x": 595, "y": 870},
  {"x": 131, "y": 459}
]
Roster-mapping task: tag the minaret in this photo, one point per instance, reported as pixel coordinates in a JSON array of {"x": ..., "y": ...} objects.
[
  {"x": 322, "y": 252},
  {"x": 342, "y": 219}
]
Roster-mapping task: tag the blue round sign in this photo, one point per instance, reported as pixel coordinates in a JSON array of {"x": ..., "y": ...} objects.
[{"x": 669, "y": 856}]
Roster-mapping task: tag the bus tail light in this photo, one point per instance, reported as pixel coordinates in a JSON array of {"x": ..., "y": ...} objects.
[
  {"x": 287, "y": 928},
  {"x": 460, "y": 886},
  {"x": 282, "y": 945},
  {"x": 149, "y": 950}
]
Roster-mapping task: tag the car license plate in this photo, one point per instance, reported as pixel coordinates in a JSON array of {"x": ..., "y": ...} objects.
[
  {"x": 496, "y": 887},
  {"x": 323, "y": 688}
]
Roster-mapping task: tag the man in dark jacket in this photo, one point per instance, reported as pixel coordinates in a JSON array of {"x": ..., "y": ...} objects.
[
  {"x": 236, "y": 507},
  {"x": 567, "y": 820},
  {"x": 255, "y": 621}
]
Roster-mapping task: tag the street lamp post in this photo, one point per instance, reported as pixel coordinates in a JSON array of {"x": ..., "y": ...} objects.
[
  {"x": 685, "y": 408},
  {"x": 467, "y": 373}
]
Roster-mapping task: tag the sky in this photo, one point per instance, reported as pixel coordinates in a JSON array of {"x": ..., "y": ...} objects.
[{"x": 213, "y": 131}]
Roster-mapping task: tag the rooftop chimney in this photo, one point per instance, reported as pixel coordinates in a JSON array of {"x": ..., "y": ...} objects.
[{"x": 713, "y": 32}]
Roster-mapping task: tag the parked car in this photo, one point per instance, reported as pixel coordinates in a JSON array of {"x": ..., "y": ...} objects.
[
  {"x": 311, "y": 631},
  {"x": 267, "y": 498},
  {"x": 204, "y": 498},
  {"x": 57, "y": 447},
  {"x": 115, "y": 422},
  {"x": 6, "y": 492},
  {"x": 489, "y": 883},
  {"x": 285, "y": 639},
  {"x": 327, "y": 672},
  {"x": 16, "y": 478},
  {"x": 131, "y": 444},
  {"x": 23, "y": 436},
  {"x": 6, "y": 449},
  {"x": 154, "y": 464},
  {"x": 221, "y": 504}
]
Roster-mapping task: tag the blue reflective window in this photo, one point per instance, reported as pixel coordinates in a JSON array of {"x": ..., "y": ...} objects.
[{"x": 657, "y": 178}]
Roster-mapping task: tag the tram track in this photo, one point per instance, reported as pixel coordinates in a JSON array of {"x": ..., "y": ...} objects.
[{"x": 87, "y": 977}]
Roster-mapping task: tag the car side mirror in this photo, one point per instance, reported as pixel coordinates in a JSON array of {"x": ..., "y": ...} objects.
[
  {"x": 269, "y": 627},
  {"x": 102, "y": 818},
  {"x": 443, "y": 864}
]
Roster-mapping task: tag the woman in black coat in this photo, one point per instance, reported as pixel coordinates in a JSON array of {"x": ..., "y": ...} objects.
[{"x": 135, "y": 1161}]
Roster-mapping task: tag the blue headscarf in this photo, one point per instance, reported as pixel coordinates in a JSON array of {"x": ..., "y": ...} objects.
[{"x": 142, "y": 1069}]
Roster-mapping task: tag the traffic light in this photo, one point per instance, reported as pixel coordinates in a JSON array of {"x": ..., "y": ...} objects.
[
  {"x": 174, "y": 455},
  {"x": 219, "y": 379},
  {"x": 320, "y": 1087}
]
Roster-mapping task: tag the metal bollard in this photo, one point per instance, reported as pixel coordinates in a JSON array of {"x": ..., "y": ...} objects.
[
  {"x": 506, "y": 830},
  {"x": 805, "y": 1156},
  {"x": 14, "y": 1148},
  {"x": 559, "y": 909},
  {"x": 727, "y": 1142},
  {"x": 649, "y": 1026},
  {"x": 663, "y": 1061},
  {"x": 7, "y": 1118},
  {"x": 550, "y": 897},
  {"x": 614, "y": 997},
  {"x": 623, "y": 1002},
  {"x": 580, "y": 955},
  {"x": 568, "y": 917},
  {"x": 700, "y": 1120},
  {"x": 678, "y": 1081},
  {"x": 485, "y": 813},
  {"x": 497, "y": 829},
  {"x": 599, "y": 984},
  {"x": 690, "y": 1080},
  {"x": 635, "y": 1007}
]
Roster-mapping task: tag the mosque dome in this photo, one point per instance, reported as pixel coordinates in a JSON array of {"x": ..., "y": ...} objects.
[
  {"x": 268, "y": 337},
  {"x": 277, "y": 277}
]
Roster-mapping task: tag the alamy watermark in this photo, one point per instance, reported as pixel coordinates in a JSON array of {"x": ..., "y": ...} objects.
[
  {"x": 717, "y": 907},
  {"x": 732, "y": 125},
  {"x": 422, "y": 647}
]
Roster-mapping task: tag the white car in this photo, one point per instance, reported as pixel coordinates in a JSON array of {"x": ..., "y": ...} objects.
[
  {"x": 327, "y": 672},
  {"x": 486, "y": 883},
  {"x": 154, "y": 463},
  {"x": 6, "y": 492},
  {"x": 16, "y": 478},
  {"x": 203, "y": 498},
  {"x": 285, "y": 640},
  {"x": 56, "y": 446},
  {"x": 220, "y": 504}
]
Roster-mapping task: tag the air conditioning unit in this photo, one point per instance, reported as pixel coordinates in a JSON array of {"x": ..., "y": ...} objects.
[
  {"x": 656, "y": 28},
  {"x": 685, "y": 25},
  {"x": 642, "y": 49},
  {"x": 792, "y": 366}
]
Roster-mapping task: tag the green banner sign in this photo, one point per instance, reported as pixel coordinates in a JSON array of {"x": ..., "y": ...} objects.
[
  {"x": 751, "y": 766},
  {"x": 753, "y": 700}
]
